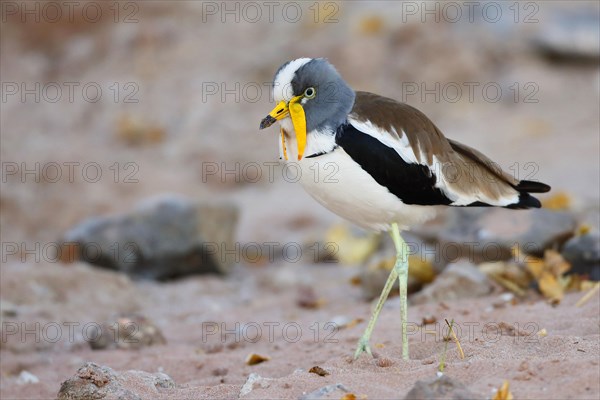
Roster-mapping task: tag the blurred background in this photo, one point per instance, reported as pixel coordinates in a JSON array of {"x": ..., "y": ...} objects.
[{"x": 131, "y": 129}]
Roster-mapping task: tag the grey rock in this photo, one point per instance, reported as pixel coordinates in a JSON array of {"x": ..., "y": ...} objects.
[
  {"x": 325, "y": 391},
  {"x": 458, "y": 281},
  {"x": 583, "y": 253},
  {"x": 100, "y": 382},
  {"x": 163, "y": 238},
  {"x": 442, "y": 387},
  {"x": 486, "y": 235},
  {"x": 8, "y": 309},
  {"x": 254, "y": 381},
  {"x": 127, "y": 332},
  {"x": 534, "y": 230},
  {"x": 570, "y": 36},
  {"x": 157, "y": 380}
]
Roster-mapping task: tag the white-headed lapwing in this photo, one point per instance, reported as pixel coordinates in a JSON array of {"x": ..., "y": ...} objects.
[{"x": 388, "y": 164}]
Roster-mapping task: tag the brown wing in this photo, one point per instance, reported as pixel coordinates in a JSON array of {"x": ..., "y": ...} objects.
[
  {"x": 388, "y": 114},
  {"x": 463, "y": 173}
]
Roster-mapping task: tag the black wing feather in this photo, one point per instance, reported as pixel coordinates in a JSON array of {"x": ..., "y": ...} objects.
[{"x": 411, "y": 183}]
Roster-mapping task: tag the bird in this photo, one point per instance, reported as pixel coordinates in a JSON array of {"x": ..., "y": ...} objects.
[{"x": 380, "y": 164}]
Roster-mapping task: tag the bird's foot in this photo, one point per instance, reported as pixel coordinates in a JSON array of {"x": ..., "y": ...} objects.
[{"x": 362, "y": 347}]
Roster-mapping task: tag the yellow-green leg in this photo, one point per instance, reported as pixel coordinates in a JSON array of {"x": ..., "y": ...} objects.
[
  {"x": 399, "y": 271},
  {"x": 402, "y": 270}
]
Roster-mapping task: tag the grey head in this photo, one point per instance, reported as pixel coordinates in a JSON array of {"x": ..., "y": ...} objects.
[{"x": 327, "y": 98}]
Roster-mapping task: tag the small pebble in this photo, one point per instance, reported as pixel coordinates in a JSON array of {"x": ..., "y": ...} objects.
[
  {"x": 26, "y": 377},
  {"x": 384, "y": 362},
  {"x": 318, "y": 371}
]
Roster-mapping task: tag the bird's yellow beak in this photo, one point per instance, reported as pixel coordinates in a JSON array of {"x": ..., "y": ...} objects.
[
  {"x": 279, "y": 112},
  {"x": 296, "y": 112}
]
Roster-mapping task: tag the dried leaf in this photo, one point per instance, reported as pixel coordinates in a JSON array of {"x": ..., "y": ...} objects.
[
  {"x": 556, "y": 263},
  {"x": 578, "y": 283},
  {"x": 352, "y": 248},
  {"x": 307, "y": 298},
  {"x": 349, "y": 396},
  {"x": 504, "y": 392},
  {"x": 551, "y": 288},
  {"x": 421, "y": 270},
  {"x": 509, "y": 285},
  {"x": 509, "y": 275},
  {"x": 356, "y": 280},
  {"x": 69, "y": 252},
  {"x": 587, "y": 285},
  {"x": 133, "y": 131},
  {"x": 371, "y": 25},
  {"x": 558, "y": 201},
  {"x": 548, "y": 272},
  {"x": 254, "y": 359},
  {"x": 588, "y": 295},
  {"x": 386, "y": 264},
  {"x": 542, "y": 332},
  {"x": 458, "y": 346},
  {"x": 583, "y": 229},
  {"x": 351, "y": 324},
  {"x": 535, "y": 266}
]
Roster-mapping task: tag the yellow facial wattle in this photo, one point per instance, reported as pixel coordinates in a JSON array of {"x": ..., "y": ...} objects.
[
  {"x": 296, "y": 112},
  {"x": 299, "y": 122},
  {"x": 284, "y": 149}
]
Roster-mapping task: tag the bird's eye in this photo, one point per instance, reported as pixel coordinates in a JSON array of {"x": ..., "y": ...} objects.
[{"x": 310, "y": 93}]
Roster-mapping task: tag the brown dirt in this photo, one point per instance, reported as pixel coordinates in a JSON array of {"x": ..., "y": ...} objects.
[{"x": 499, "y": 342}]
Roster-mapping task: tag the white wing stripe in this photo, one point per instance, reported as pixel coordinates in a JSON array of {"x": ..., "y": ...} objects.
[
  {"x": 402, "y": 147},
  {"x": 405, "y": 151}
]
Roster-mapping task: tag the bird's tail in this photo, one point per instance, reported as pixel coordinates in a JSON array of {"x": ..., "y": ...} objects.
[
  {"x": 532, "y": 187},
  {"x": 526, "y": 200}
]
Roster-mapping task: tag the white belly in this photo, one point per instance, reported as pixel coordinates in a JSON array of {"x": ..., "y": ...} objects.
[{"x": 341, "y": 185}]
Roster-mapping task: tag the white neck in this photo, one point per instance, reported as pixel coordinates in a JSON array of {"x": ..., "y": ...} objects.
[{"x": 316, "y": 141}]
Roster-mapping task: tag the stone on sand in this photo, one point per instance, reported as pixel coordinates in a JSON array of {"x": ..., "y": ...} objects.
[
  {"x": 254, "y": 381},
  {"x": 458, "y": 281},
  {"x": 442, "y": 387},
  {"x": 127, "y": 332},
  {"x": 92, "y": 381},
  {"x": 26, "y": 377},
  {"x": 326, "y": 391},
  {"x": 571, "y": 36},
  {"x": 485, "y": 235},
  {"x": 583, "y": 253},
  {"x": 165, "y": 237}
]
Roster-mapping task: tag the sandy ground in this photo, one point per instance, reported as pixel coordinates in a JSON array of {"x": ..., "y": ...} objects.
[
  {"x": 170, "y": 54},
  {"x": 209, "y": 363}
]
